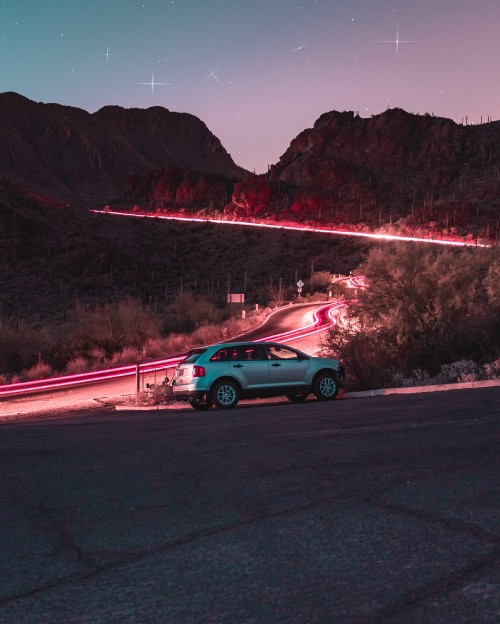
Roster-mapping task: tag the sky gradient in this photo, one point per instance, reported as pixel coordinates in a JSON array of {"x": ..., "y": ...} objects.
[{"x": 257, "y": 72}]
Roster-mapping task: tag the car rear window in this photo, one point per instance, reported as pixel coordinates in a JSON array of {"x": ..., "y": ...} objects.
[{"x": 194, "y": 355}]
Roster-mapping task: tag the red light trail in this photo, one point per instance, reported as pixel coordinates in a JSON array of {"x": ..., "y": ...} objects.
[
  {"x": 296, "y": 228},
  {"x": 322, "y": 320}
]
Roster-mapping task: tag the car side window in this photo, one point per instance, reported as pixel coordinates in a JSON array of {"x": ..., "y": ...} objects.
[
  {"x": 278, "y": 352},
  {"x": 251, "y": 352},
  {"x": 222, "y": 355}
]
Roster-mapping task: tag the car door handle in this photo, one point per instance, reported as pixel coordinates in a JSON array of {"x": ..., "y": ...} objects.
[
  {"x": 237, "y": 365},
  {"x": 275, "y": 364}
]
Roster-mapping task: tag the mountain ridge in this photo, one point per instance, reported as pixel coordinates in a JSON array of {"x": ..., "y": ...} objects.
[{"x": 72, "y": 155}]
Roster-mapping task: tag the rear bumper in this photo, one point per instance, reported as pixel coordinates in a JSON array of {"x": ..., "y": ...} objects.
[{"x": 187, "y": 393}]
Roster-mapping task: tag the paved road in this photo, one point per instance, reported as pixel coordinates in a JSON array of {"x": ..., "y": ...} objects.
[
  {"x": 368, "y": 511},
  {"x": 90, "y": 395}
]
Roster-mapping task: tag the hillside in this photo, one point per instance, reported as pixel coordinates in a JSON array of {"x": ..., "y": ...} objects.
[
  {"x": 52, "y": 257},
  {"x": 410, "y": 174},
  {"x": 67, "y": 154},
  {"x": 419, "y": 172}
]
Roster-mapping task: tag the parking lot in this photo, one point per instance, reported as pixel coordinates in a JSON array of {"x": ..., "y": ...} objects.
[{"x": 375, "y": 510}]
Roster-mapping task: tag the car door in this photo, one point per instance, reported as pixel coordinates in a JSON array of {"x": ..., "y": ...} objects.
[
  {"x": 287, "y": 368},
  {"x": 250, "y": 366}
]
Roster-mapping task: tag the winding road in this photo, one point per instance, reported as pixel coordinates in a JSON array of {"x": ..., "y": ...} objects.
[{"x": 84, "y": 389}]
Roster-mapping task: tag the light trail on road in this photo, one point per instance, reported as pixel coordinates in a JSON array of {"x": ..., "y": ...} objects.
[
  {"x": 323, "y": 319},
  {"x": 296, "y": 228}
]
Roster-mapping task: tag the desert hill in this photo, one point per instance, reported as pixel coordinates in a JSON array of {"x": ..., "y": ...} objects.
[
  {"x": 423, "y": 171},
  {"x": 411, "y": 173},
  {"x": 70, "y": 155}
]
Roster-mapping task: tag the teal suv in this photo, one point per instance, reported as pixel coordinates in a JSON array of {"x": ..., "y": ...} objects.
[{"x": 223, "y": 374}]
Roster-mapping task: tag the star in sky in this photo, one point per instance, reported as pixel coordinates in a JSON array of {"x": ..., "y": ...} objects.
[
  {"x": 211, "y": 74},
  {"x": 397, "y": 41},
  {"x": 256, "y": 47},
  {"x": 153, "y": 84},
  {"x": 107, "y": 54}
]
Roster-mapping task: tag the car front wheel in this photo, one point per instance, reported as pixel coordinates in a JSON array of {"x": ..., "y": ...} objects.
[
  {"x": 225, "y": 394},
  {"x": 326, "y": 387}
]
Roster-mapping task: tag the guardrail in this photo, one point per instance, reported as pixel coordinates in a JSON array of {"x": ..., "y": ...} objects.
[{"x": 322, "y": 320}]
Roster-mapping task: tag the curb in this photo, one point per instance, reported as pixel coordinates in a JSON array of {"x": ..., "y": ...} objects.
[
  {"x": 489, "y": 383},
  {"x": 468, "y": 385}
]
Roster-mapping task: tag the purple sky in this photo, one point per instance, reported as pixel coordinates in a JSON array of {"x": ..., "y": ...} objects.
[{"x": 257, "y": 72}]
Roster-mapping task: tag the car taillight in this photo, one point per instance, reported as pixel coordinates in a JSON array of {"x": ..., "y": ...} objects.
[{"x": 198, "y": 371}]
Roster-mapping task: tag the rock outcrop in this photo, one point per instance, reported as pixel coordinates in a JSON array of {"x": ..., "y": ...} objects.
[
  {"x": 396, "y": 165},
  {"x": 69, "y": 154}
]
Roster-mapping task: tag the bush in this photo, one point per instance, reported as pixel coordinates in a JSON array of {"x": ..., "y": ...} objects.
[
  {"x": 461, "y": 371},
  {"x": 127, "y": 356},
  {"x": 188, "y": 312},
  {"x": 424, "y": 309},
  {"x": 492, "y": 370},
  {"x": 77, "y": 365},
  {"x": 41, "y": 370},
  {"x": 112, "y": 327},
  {"x": 417, "y": 377}
]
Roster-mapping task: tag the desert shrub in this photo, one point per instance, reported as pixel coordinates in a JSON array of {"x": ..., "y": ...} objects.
[
  {"x": 129, "y": 355},
  {"x": 113, "y": 326},
  {"x": 461, "y": 371},
  {"x": 161, "y": 394},
  {"x": 76, "y": 365},
  {"x": 155, "y": 348},
  {"x": 425, "y": 307},
  {"x": 142, "y": 399},
  {"x": 177, "y": 343},
  {"x": 19, "y": 347},
  {"x": 97, "y": 355},
  {"x": 492, "y": 370},
  {"x": 188, "y": 312},
  {"x": 417, "y": 377},
  {"x": 40, "y": 370},
  {"x": 362, "y": 352},
  {"x": 319, "y": 281}
]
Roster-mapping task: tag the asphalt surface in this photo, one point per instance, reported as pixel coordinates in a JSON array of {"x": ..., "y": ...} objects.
[{"x": 357, "y": 511}]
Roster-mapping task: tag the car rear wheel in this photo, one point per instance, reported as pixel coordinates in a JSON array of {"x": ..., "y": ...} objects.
[
  {"x": 297, "y": 398},
  {"x": 200, "y": 404},
  {"x": 326, "y": 386},
  {"x": 225, "y": 394}
]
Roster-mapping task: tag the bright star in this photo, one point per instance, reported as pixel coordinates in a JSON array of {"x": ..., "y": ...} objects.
[
  {"x": 211, "y": 74},
  {"x": 397, "y": 41},
  {"x": 107, "y": 54},
  {"x": 153, "y": 84}
]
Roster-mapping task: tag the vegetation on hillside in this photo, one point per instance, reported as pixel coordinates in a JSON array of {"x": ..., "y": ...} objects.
[
  {"x": 117, "y": 333},
  {"x": 425, "y": 308}
]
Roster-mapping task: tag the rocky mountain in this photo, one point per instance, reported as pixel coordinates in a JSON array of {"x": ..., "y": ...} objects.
[
  {"x": 419, "y": 170},
  {"x": 68, "y": 154}
]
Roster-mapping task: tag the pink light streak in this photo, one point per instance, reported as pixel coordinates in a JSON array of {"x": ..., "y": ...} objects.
[
  {"x": 318, "y": 325},
  {"x": 296, "y": 228}
]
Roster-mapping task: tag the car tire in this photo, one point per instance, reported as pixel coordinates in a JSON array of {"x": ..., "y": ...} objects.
[
  {"x": 297, "y": 398},
  {"x": 225, "y": 394},
  {"x": 200, "y": 404},
  {"x": 326, "y": 387}
]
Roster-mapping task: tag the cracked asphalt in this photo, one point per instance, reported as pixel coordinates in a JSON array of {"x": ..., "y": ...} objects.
[{"x": 367, "y": 511}]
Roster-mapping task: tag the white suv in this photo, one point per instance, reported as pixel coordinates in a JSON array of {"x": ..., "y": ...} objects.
[{"x": 223, "y": 374}]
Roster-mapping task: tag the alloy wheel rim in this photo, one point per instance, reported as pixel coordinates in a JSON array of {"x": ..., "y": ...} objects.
[
  {"x": 327, "y": 386},
  {"x": 226, "y": 395}
]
